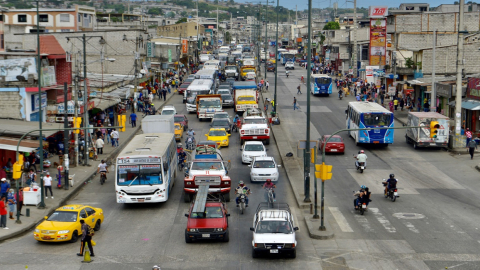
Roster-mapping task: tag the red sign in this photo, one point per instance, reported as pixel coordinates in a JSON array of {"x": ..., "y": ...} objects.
[
  {"x": 210, "y": 27},
  {"x": 184, "y": 45},
  {"x": 473, "y": 88},
  {"x": 378, "y": 11}
]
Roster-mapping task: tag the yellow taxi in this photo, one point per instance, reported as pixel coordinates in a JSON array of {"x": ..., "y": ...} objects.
[
  {"x": 178, "y": 131},
  {"x": 64, "y": 224},
  {"x": 218, "y": 135}
]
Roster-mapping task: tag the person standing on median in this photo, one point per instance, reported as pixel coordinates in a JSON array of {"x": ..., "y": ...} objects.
[
  {"x": 11, "y": 203},
  {"x": 133, "y": 119},
  {"x": 86, "y": 239},
  {"x": 472, "y": 145},
  {"x": 47, "y": 183}
]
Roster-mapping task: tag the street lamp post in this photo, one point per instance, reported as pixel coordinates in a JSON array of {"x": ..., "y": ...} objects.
[
  {"x": 306, "y": 157},
  {"x": 276, "y": 65}
]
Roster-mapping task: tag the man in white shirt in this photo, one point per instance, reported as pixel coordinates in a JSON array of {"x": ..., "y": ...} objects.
[
  {"x": 47, "y": 184},
  {"x": 361, "y": 157},
  {"x": 103, "y": 168},
  {"x": 115, "y": 137},
  {"x": 99, "y": 144}
]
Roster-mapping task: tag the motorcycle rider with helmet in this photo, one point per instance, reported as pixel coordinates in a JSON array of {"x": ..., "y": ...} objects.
[
  {"x": 190, "y": 132},
  {"x": 269, "y": 185},
  {"x": 361, "y": 196},
  {"x": 361, "y": 157},
  {"x": 242, "y": 188},
  {"x": 390, "y": 183}
]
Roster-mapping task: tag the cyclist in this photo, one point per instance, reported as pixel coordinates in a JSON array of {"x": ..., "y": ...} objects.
[
  {"x": 270, "y": 185},
  {"x": 102, "y": 169}
]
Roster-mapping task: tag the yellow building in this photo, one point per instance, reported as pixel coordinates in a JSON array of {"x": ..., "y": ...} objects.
[{"x": 182, "y": 29}]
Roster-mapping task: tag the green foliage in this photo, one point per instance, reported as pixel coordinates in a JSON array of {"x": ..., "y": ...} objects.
[
  {"x": 331, "y": 26},
  {"x": 182, "y": 20},
  {"x": 215, "y": 2},
  {"x": 409, "y": 62},
  {"x": 119, "y": 8},
  {"x": 170, "y": 14},
  {"x": 184, "y": 14},
  {"x": 228, "y": 37},
  {"x": 18, "y": 4},
  {"x": 155, "y": 11},
  {"x": 322, "y": 38}
]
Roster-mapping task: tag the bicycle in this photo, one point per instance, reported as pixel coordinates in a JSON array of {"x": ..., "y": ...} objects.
[{"x": 270, "y": 197}]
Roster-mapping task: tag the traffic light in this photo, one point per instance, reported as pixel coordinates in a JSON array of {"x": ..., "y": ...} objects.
[
  {"x": 323, "y": 171},
  {"x": 124, "y": 121},
  {"x": 77, "y": 121},
  {"x": 313, "y": 153},
  {"x": 434, "y": 126},
  {"x": 17, "y": 168}
]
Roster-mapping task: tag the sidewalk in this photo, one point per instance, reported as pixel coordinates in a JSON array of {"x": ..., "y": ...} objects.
[{"x": 83, "y": 176}]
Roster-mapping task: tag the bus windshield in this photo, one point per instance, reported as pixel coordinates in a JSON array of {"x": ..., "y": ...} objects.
[
  {"x": 139, "y": 175},
  {"x": 288, "y": 56},
  {"x": 210, "y": 103},
  {"x": 323, "y": 81},
  {"x": 376, "y": 119}
]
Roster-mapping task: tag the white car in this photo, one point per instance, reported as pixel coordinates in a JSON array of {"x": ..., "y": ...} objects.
[
  {"x": 221, "y": 115},
  {"x": 169, "y": 110},
  {"x": 252, "y": 149},
  {"x": 263, "y": 168},
  {"x": 289, "y": 65}
]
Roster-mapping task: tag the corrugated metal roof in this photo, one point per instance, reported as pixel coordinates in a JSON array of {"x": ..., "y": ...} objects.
[
  {"x": 471, "y": 105},
  {"x": 49, "y": 45}
]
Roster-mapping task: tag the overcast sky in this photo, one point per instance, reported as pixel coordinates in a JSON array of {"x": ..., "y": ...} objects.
[{"x": 303, "y": 4}]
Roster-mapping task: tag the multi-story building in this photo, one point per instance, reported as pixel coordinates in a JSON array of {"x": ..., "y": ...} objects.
[
  {"x": 181, "y": 30},
  {"x": 80, "y": 18}
]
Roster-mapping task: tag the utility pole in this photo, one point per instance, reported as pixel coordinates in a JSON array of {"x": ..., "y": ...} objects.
[
  {"x": 458, "y": 97},
  {"x": 276, "y": 64},
  {"x": 296, "y": 15},
  {"x": 76, "y": 106},
  {"x": 306, "y": 156},
  {"x": 66, "y": 136},
  {"x": 85, "y": 101},
  {"x": 218, "y": 29},
  {"x": 266, "y": 47},
  {"x": 354, "y": 39},
  {"x": 433, "y": 102},
  {"x": 40, "y": 112}
]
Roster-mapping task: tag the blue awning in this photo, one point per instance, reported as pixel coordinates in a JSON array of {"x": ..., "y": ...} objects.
[{"x": 471, "y": 105}]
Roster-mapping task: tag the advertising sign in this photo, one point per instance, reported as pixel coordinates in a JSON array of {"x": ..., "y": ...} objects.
[
  {"x": 378, "y": 41},
  {"x": 184, "y": 46},
  {"x": 12, "y": 69},
  {"x": 151, "y": 49},
  {"x": 378, "y": 11},
  {"x": 36, "y": 101},
  {"x": 169, "y": 55}
]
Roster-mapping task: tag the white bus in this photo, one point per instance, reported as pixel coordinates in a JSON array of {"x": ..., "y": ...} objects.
[
  {"x": 197, "y": 87},
  {"x": 146, "y": 169}
]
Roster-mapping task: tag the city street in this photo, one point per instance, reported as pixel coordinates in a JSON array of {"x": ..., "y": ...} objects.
[{"x": 433, "y": 225}]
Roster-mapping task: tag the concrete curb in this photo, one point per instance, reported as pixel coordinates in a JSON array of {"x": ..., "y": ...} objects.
[
  {"x": 78, "y": 187},
  {"x": 314, "y": 231}
]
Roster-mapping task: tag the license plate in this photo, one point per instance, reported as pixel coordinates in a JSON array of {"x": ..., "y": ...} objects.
[
  {"x": 376, "y": 141},
  {"x": 47, "y": 238},
  {"x": 334, "y": 150},
  {"x": 273, "y": 250},
  {"x": 376, "y": 131},
  {"x": 254, "y": 137},
  {"x": 206, "y": 235},
  {"x": 122, "y": 201},
  {"x": 433, "y": 143},
  {"x": 141, "y": 200},
  {"x": 364, "y": 206},
  {"x": 395, "y": 193}
]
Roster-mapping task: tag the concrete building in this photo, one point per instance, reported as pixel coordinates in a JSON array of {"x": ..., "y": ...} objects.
[
  {"x": 180, "y": 30},
  {"x": 80, "y": 18}
]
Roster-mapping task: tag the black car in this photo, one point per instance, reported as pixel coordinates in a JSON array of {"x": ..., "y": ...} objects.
[
  {"x": 230, "y": 80},
  {"x": 221, "y": 123},
  {"x": 227, "y": 100}
]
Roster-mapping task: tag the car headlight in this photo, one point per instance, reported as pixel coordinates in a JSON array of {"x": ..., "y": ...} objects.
[
  {"x": 219, "y": 229},
  {"x": 274, "y": 174},
  {"x": 224, "y": 141},
  {"x": 254, "y": 174},
  {"x": 62, "y": 232},
  {"x": 193, "y": 230},
  {"x": 37, "y": 230}
]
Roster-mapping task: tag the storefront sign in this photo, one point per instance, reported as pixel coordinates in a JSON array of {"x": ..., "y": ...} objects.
[
  {"x": 184, "y": 46},
  {"x": 36, "y": 101},
  {"x": 443, "y": 90},
  {"x": 70, "y": 108},
  {"x": 151, "y": 49},
  {"x": 169, "y": 55},
  {"x": 378, "y": 11},
  {"x": 473, "y": 89}
]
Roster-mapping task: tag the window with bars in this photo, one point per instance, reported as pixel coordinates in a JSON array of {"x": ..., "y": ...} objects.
[
  {"x": 43, "y": 18},
  {"x": 22, "y": 18},
  {"x": 64, "y": 17}
]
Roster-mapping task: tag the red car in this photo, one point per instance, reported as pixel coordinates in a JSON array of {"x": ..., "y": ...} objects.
[
  {"x": 334, "y": 145},
  {"x": 211, "y": 224},
  {"x": 183, "y": 87},
  {"x": 182, "y": 120}
]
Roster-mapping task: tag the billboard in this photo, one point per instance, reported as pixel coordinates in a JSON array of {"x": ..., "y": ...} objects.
[
  {"x": 184, "y": 46},
  {"x": 378, "y": 36},
  {"x": 12, "y": 69},
  {"x": 378, "y": 11}
]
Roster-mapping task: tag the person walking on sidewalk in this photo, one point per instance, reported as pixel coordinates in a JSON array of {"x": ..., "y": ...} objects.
[
  {"x": 99, "y": 143},
  {"x": 299, "y": 89},
  {"x": 11, "y": 203},
  {"x": 472, "y": 145},
  {"x": 4, "y": 187},
  {"x": 115, "y": 137},
  {"x": 468, "y": 134},
  {"x": 86, "y": 239},
  {"x": 3, "y": 213},
  {"x": 133, "y": 119},
  {"x": 19, "y": 200},
  {"x": 47, "y": 183},
  {"x": 267, "y": 85},
  {"x": 295, "y": 104}
]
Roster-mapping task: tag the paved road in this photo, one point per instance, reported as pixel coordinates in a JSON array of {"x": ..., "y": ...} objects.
[{"x": 139, "y": 236}]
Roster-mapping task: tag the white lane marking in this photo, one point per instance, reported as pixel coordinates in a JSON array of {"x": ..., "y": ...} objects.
[
  {"x": 341, "y": 221},
  {"x": 410, "y": 226},
  {"x": 383, "y": 220},
  {"x": 362, "y": 220}
]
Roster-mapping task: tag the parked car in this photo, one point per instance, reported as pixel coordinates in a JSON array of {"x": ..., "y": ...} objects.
[
  {"x": 334, "y": 145},
  {"x": 263, "y": 168},
  {"x": 182, "y": 120},
  {"x": 169, "y": 110}
]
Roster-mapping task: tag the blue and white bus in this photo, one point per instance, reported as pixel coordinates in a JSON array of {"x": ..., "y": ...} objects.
[
  {"x": 287, "y": 56},
  {"x": 146, "y": 169},
  {"x": 321, "y": 84},
  {"x": 280, "y": 52},
  {"x": 361, "y": 114}
]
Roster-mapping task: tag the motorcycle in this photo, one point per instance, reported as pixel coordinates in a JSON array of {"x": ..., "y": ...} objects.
[
  {"x": 242, "y": 199},
  {"x": 392, "y": 193},
  {"x": 361, "y": 206},
  {"x": 190, "y": 142},
  {"x": 286, "y": 72},
  {"x": 359, "y": 165},
  {"x": 236, "y": 126},
  {"x": 340, "y": 95},
  {"x": 103, "y": 177}
]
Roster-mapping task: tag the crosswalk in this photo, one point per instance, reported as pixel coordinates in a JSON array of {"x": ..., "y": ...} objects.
[{"x": 369, "y": 222}]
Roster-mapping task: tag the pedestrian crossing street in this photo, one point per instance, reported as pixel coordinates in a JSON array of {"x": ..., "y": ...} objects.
[{"x": 374, "y": 219}]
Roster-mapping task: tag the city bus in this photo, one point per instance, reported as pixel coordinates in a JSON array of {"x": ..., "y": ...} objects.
[
  {"x": 146, "y": 169},
  {"x": 321, "y": 84},
  {"x": 279, "y": 56},
  {"x": 362, "y": 114},
  {"x": 288, "y": 56}
]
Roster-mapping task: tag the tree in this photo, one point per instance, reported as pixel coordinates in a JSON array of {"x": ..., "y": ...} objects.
[
  {"x": 155, "y": 11},
  {"x": 182, "y": 20},
  {"x": 331, "y": 26},
  {"x": 215, "y": 2},
  {"x": 231, "y": 2},
  {"x": 228, "y": 38},
  {"x": 170, "y": 14},
  {"x": 184, "y": 14}
]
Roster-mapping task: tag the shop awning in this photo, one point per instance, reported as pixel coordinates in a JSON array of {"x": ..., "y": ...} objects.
[
  {"x": 19, "y": 127},
  {"x": 104, "y": 104},
  {"x": 11, "y": 144},
  {"x": 471, "y": 105}
]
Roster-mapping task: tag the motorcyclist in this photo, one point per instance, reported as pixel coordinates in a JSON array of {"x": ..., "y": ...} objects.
[
  {"x": 191, "y": 132},
  {"x": 390, "y": 183},
  {"x": 287, "y": 72},
  {"x": 182, "y": 156},
  {"x": 270, "y": 185},
  {"x": 242, "y": 188},
  {"x": 236, "y": 122},
  {"x": 340, "y": 93},
  {"x": 361, "y": 157},
  {"x": 361, "y": 196},
  {"x": 103, "y": 168}
]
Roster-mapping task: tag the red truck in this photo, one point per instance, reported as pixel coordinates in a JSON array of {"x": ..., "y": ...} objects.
[{"x": 207, "y": 220}]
